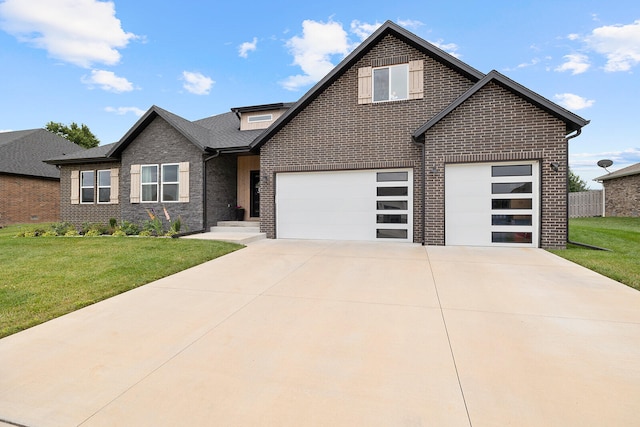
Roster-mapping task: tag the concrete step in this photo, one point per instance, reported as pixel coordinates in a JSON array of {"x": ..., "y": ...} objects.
[
  {"x": 239, "y": 224},
  {"x": 240, "y": 237},
  {"x": 234, "y": 229}
]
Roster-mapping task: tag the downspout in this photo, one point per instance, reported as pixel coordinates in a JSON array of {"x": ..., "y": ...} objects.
[
  {"x": 215, "y": 154},
  {"x": 424, "y": 186}
]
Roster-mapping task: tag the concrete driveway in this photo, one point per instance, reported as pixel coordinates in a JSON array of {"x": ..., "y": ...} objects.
[{"x": 315, "y": 333}]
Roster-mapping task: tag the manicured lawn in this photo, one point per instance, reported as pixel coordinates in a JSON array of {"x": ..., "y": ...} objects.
[
  {"x": 620, "y": 235},
  {"x": 45, "y": 277}
]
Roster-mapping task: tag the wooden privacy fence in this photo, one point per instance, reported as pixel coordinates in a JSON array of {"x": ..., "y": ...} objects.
[{"x": 585, "y": 203}]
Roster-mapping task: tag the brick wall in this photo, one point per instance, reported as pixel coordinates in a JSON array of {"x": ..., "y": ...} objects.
[
  {"x": 622, "y": 196},
  {"x": 79, "y": 214},
  {"x": 221, "y": 189},
  {"x": 495, "y": 125},
  {"x": 25, "y": 200},
  {"x": 334, "y": 132},
  {"x": 161, "y": 143}
]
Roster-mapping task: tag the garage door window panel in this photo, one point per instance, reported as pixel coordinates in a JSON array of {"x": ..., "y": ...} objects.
[
  {"x": 391, "y": 233},
  {"x": 392, "y": 205},
  {"x": 392, "y": 191},
  {"x": 511, "y": 219},
  {"x": 511, "y": 170},
  {"x": 511, "y": 237},
  {"x": 504, "y": 204},
  {"x": 392, "y": 176},
  {"x": 511, "y": 187},
  {"x": 392, "y": 219}
]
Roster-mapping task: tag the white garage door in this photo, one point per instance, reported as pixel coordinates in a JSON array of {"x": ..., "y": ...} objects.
[
  {"x": 492, "y": 204},
  {"x": 346, "y": 205}
]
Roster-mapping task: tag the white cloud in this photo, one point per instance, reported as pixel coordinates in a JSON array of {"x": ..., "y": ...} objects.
[
  {"x": 573, "y": 102},
  {"x": 363, "y": 29},
  {"x": 313, "y": 51},
  {"x": 410, "y": 23},
  {"x": 573, "y": 36},
  {"x": 107, "y": 80},
  {"x": 121, "y": 111},
  {"x": 82, "y": 32},
  {"x": 247, "y": 47},
  {"x": 197, "y": 83},
  {"x": 620, "y": 44},
  {"x": 577, "y": 63},
  {"x": 620, "y": 158},
  {"x": 450, "y": 48}
]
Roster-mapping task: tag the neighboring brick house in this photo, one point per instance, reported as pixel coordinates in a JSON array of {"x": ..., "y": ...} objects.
[
  {"x": 399, "y": 142},
  {"x": 622, "y": 191},
  {"x": 30, "y": 188}
]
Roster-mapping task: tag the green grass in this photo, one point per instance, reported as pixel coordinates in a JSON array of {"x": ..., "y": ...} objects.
[
  {"x": 45, "y": 277},
  {"x": 620, "y": 235}
]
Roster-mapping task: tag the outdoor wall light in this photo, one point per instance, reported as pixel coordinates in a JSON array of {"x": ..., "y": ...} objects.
[{"x": 554, "y": 166}]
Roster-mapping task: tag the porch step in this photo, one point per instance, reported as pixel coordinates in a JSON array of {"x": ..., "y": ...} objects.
[
  {"x": 235, "y": 229},
  {"x": 239, "y": 224}
]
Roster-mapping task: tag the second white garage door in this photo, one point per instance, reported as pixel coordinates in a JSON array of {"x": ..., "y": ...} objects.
[
  {"x": 345, "y": 205},
  {"x": 492, "y": 204}
]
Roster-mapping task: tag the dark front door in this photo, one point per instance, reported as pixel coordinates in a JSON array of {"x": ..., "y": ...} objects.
[{"x": 254, "y": 182}]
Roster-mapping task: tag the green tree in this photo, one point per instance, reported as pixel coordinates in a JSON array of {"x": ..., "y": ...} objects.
[
  {"x": 80, "y": 135},
  {"x": 576, "y": 183}
]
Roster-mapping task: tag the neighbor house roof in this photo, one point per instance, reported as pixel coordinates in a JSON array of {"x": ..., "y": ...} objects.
[
  {"x": 628, "y": 171},
  {"x": 23, "y": 152},
  {"x": 573, "y": 122},
  {"x": 388, "y": 28}
]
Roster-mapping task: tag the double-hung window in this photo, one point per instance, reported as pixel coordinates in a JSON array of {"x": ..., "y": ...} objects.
[
  {"x": 170, "y": 182},
  {"x": 391, "y": 83},
  {"x": 87, "y": 186},
  {"x": 149, "y": 183},
  {"x": 104, "y": 186}
]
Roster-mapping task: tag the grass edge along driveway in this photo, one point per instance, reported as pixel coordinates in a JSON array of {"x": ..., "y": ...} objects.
[
  {"x": 42, "y": 278},
  {"x": 620, "y": 235}
]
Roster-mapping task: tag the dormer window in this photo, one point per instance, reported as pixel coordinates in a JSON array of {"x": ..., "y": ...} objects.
[
  {"x": 260, "y": 118},
  {"x": 391, "y": 83}
]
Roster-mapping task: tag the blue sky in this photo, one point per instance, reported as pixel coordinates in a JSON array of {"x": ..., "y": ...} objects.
[{"x": 105, "y": 63}]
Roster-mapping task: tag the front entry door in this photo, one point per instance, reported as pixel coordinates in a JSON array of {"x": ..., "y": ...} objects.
[{"x": 254, "y": 182}]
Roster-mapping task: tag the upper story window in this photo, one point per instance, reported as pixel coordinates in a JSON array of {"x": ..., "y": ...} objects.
[
  {"x": 87, "y": 186},
  {"x": 260, "y": 118},
  {"x": 104, "y": 186},
  {"x": 149, "y": 182},
  {"x": 398, "y": 81},
  {"x": 391, "y": 83}
]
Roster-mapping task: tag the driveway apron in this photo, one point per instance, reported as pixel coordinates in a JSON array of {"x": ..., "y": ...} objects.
[{"x": 290, "y": 333}]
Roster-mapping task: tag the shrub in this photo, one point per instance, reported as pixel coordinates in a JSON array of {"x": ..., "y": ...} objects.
[
  {"x": 113, "y": 223},
  {"x": 119, "y": 233},
  {"x": 72, "y": 232},
  {"x": 49, "y": 233},
  {"x": 61, "y": 228},
  {"x": 129, "y": 228},
  {"x": 95, "y": 227},
  {"x": 145, "y": 233},
  {"x": 154, "y": 227},
  {"x": 93, "y": 232}
]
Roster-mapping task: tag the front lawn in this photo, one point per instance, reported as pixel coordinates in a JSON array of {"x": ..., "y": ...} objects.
[
  {"x": 45, "y": 277},
  {"x": 620, "y": 235}
]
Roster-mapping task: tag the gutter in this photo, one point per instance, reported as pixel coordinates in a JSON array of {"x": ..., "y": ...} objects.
[{"x": 415, "y": 141}]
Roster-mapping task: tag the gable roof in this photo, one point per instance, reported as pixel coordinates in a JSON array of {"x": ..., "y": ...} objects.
[
  {"x": 573, "y": 122},
  {"x": 195, "y": 133},
  {"x": 225, "y": 134},
  {"x": 388, "y": 28},
  {"x": 628, "y": 171},
  {"x": 23, "y": 152}
]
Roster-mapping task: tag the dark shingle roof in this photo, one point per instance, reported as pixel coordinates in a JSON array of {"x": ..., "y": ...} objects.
[
  {"x": 628, "y": 171},
  {"x": 24, "y": 152},
  {"x": 225, "y": 133},
  {"x": 92, "y": 155}
]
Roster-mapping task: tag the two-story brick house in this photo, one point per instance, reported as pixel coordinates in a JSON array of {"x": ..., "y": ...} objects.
[{"x": 400, "y": 141}]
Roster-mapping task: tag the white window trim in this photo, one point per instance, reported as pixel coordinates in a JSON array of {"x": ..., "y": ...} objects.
[
  {"x": 142, "y": 184},
  {"x": 373, "y": 83},
  {"x": 163, "y": 182},
  {"x": 260, "y": 118},
  {"x": 82, "y": 187},
  {"x": 98, "y": 186}
]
